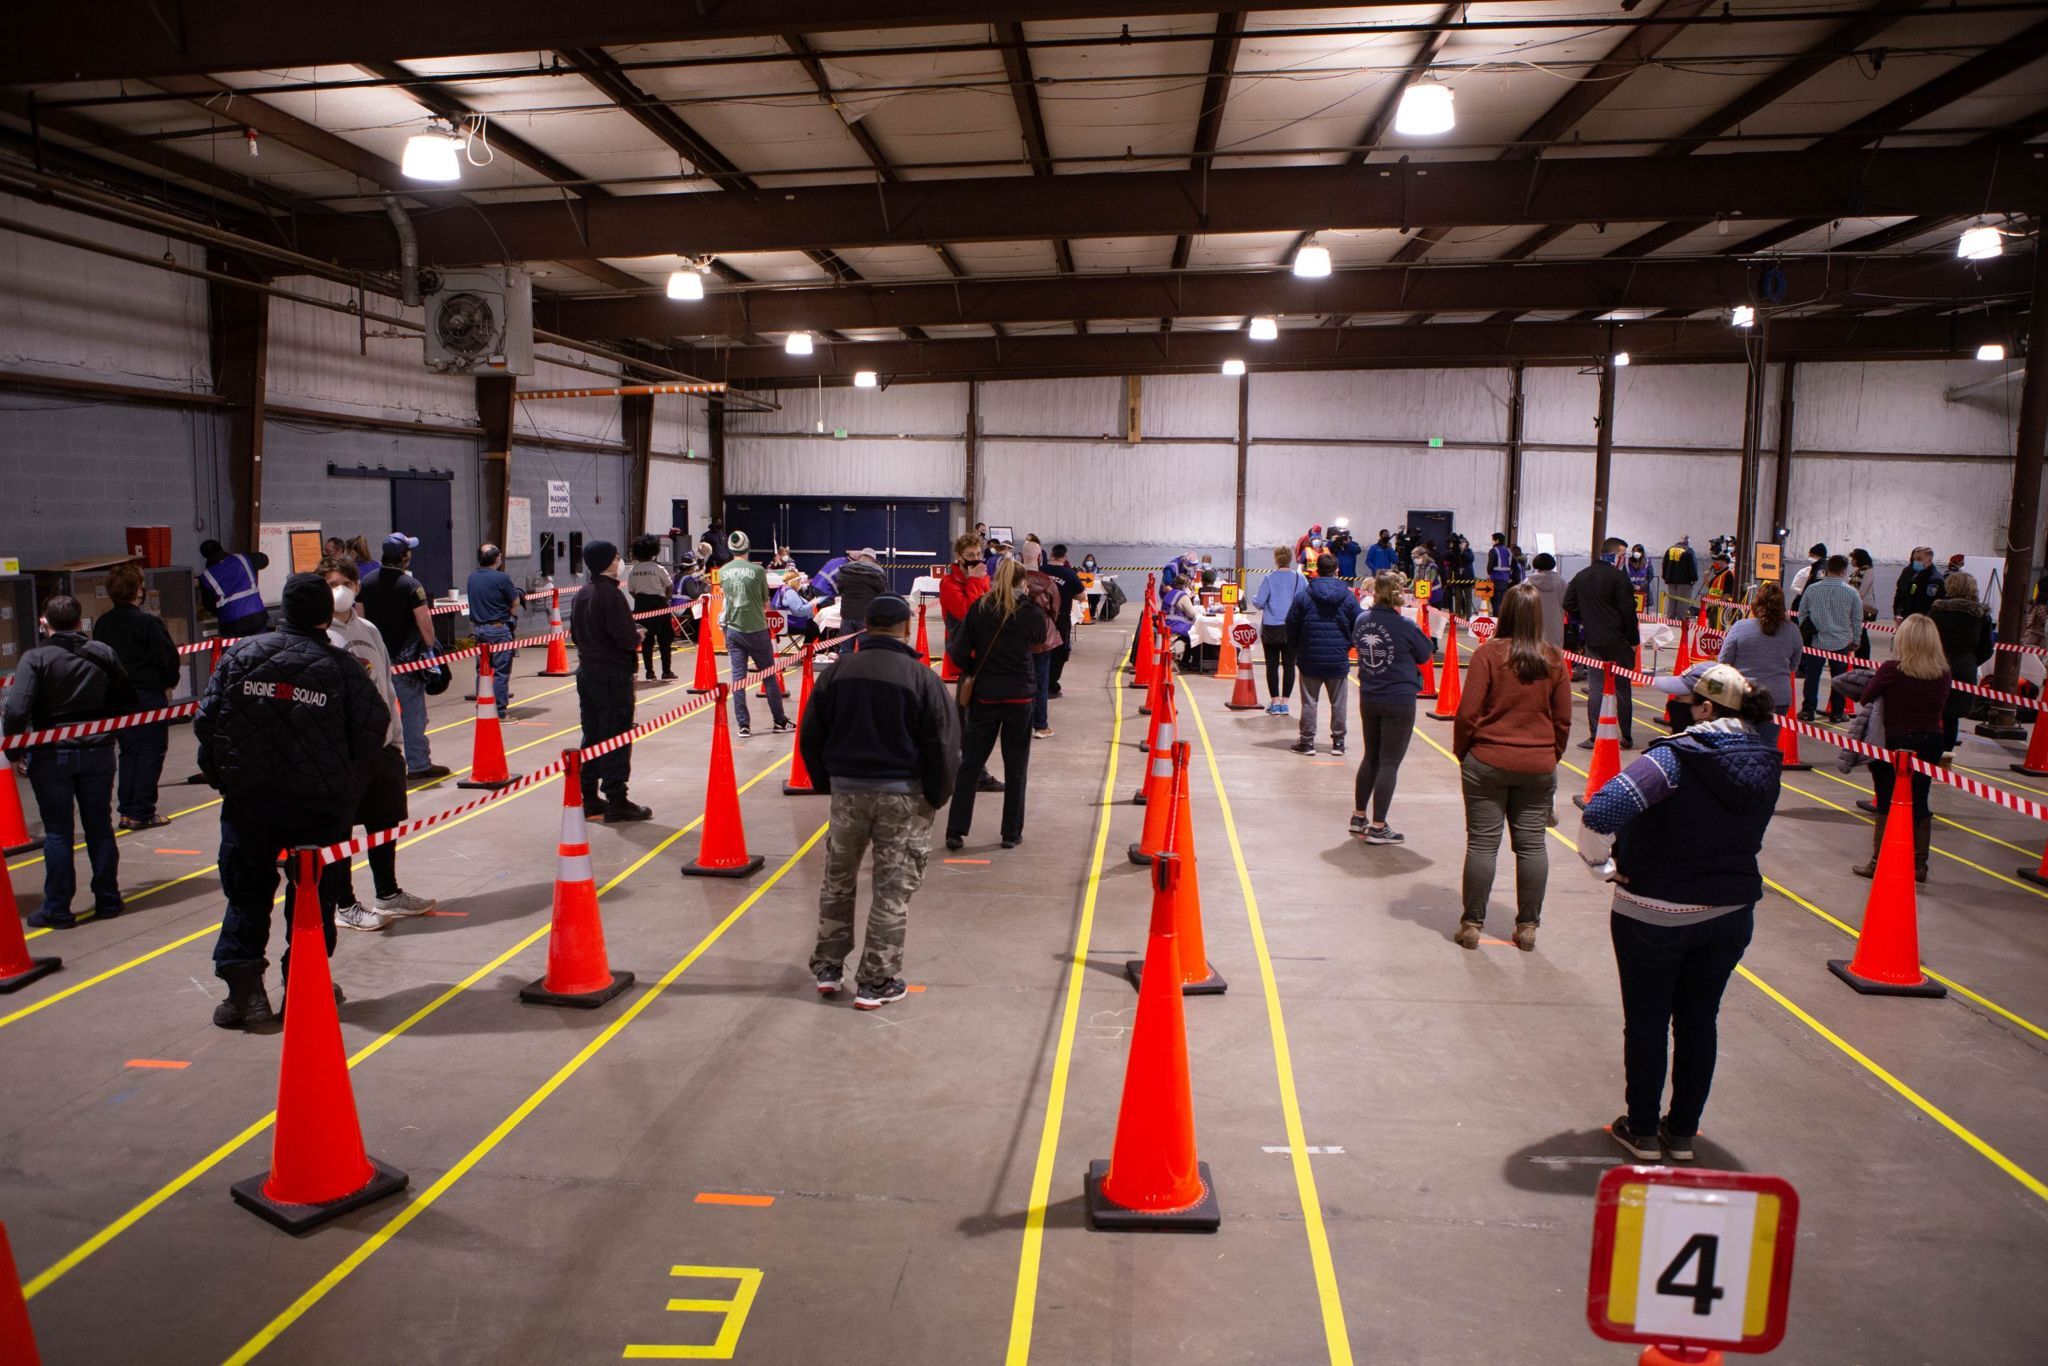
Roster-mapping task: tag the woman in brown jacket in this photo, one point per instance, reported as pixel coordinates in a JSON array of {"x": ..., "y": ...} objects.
[{"x": 1512, "y": 726}]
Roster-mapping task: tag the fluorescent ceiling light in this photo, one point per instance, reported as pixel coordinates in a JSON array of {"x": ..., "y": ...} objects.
[
  {"x": 1743, "y": 316},
  {"x": 1980, "y": 244},
  {"x": 1620, "y": 359},
  {"x": 431, "y": 155},
  {"x": 1991, "y": 351},
  {"x": 1425, "y": 109},
  {"x": 1233, "y": 366},
  {"x": 797, "y": 344},
  {"x": 1312, "y": 261},
  {"x": 863, "y": 379},
  {"x": 685, "y": 284},
  {"x": 1265, "y": 329}
]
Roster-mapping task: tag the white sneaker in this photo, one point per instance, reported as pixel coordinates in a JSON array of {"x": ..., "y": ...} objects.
[
  {"x": 357, "y": 916},
  {"x": 404, "y": 903}
]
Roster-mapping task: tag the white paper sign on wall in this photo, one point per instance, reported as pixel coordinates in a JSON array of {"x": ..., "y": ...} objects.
[
  {"x": 518, "y": 527},
  {"x": 558, "y": 499}
]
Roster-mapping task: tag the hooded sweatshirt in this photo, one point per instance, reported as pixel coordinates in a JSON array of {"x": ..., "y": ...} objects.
[{"x": 1319, "y": 624}]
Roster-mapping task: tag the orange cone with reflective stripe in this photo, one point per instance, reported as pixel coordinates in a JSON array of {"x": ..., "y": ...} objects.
[
  {"x": 1154, "y": 1178},
  {"x": 1245, "y": 696},
  {"x": 924, "y": 648},
  {"x": 1606, "y": 741},
  {"x": 2036, "y": 762},
  {"x": 17, "y": 966},
  {"x": 800, "y": 784},
  {"x": 1226, "y": 649},
  {"x": 1788, "y": 739},
  {"x": 1452, "y": 690},
  {"x": 705, "y": 677},
  {"x": 579, "y": 972},
  {"x": 1162, "y": 670},
  {"x": 1142, "y": 644},
  {"x": 14, "y": 836},
  {"x": 1159, "y": 739},
  {"x": 1684, "y": 660},
  {"x": 714, "y": 618},
  {"x": 1428, "y": 688},
  {"x": 1887, "y": 961},
  {"x": 558, "y": 644},
  {"x": 722, "y": 847},
  {"x": 17, "y": 1338},
  {"x": 487, "y": 755},
  {"x": 318, "y": 1168},
  {"x": 1197, "y": 977}
]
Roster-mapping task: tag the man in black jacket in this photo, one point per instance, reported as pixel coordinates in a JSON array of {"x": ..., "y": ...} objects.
[
  {"x": 1603, "y": 602},
  {"x": 607, "y": 641},
  {"x": 1071, "y": 588},
  {"x": 64, "y": 680},
  {"x": 858, "y": 582},
  {"x": 1919, "y": 586},
  {"x": 882, "y": 735},
  {"x": 287, "y": 730},
  {"x": 141, "y": 641},
  {"x": 1681, "y": 571}
]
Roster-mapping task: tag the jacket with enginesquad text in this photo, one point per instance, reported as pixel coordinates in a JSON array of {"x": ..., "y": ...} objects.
[{"x": 290, "y": 721}]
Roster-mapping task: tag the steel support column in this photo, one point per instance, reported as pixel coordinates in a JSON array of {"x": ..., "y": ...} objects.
[
  {"x": 240, "y": 326},
  {"x": 494, "y": 398},
  {"x": 1603, "y": 453},
  {"x": 1244, "y": 442},
  {"x": 1513, "y": 520},
  {"x": 1781, "y": 481},
  {"x": 2023, "y": 528}
]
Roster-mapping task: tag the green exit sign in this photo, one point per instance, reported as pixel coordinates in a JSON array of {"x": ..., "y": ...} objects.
[
  {"x": 839, "y": 433},
  {"x": 1435, "y": 442}
]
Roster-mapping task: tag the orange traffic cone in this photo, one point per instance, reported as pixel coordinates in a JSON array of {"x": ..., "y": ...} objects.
[
  {"x": 705, "y": 677},
  {"x": 722, "y": 849},
  {"x": 1428, "y": 689},
  {"x": 487, "y": 755},
  {"x": 799, "y": 784},
  {"x": 1154, "y": 1178},
  {"x": 715, "y": 618},
  {"x": 1159, "y": 740},
  {"x": 924, "y": 649},
  {"x": 558, "y": 643},
  {"x": 17, "y": 1338},
  {"x": 1158, "y": 829},
  {"x": 1162, "y": 670},
  {"x": 1788, "y": 739},
  {"x": 1226, "y": 651},
  {"x": 1606, "y": 741},
  {"x": 14, "y": 837},
  {"x": 1684, "y": 660},
  {"x": 1452, "y": 691},
  {"x": 1148, "y": 626},
  {"x": 1654, "y": 1355},
  {"x": 318, "y": 1169},
  {"x": 1245, "y": 696},
  {"x": 1197, "y": 976},
  {"x": 1887, "y": 961},
  {"x": 2037, "y": 875},
  {"x": 2036, "y": 762},
  {"x": 17, "y": 967},
  {"x": 579, "y": 974}
]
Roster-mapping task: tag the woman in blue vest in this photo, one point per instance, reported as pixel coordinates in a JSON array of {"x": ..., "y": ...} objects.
[
  {"x": 1682, "y": 826},
  {"x": 228, "y": 589}
]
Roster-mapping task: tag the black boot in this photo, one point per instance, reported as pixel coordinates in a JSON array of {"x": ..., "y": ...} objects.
[
  {"x": 246, "y": 1006},
  {"x": 1876, "y": 847},
  {"x": 618, "y": 810}
]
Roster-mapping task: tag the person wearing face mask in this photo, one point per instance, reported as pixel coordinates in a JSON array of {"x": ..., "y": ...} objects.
[
  {"x": 396, "y": 604},
  {"x": 1919, "y": 586},
  {"x": 383, "y": 804},
  {"x": 1638, "y": 570},
  {"x": 1600, "y": 600},
  {"x": 607, "y": 648}
]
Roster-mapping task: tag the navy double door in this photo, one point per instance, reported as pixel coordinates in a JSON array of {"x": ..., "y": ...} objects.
[{"x": 814, "y": 529}]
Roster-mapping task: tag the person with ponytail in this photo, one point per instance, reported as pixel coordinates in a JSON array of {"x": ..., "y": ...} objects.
[{"x": 992, "y": 649}]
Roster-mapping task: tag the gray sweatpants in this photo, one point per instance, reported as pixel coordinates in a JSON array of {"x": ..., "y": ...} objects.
[{"x": 1335, "y": 688}]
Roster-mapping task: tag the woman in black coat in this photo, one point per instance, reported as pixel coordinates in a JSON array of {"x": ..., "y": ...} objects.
[
  {"x": 1965, "y": 627},
  {"x": 992, "y": 649}
]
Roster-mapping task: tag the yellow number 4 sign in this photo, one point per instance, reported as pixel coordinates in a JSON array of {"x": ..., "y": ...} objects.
[{"x": 734, "y": 1312}]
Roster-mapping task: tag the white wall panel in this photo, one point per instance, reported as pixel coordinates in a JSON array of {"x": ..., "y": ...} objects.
[
  {"x": 569, "y": 419},
  {"x": 1900, "y": 406},
  {"x": 1559, "y": 404},
  {"x": 1096, "y": 494},
  {"x": 1189, "y": 405},
  {"x": 1682, "y": 406},
  {"x": 671, "y": 479},
  {"x": 679, "y": 425},
  {"x": 915, "y": 468},
  {"x": 1463, "y": 405},
  {"x": 314, "y": 362},
  {"x": 1890, "y": 506},
  {"x": 1557, "y": 497},
  {"x": 1289, "y": 487},
  {"x": 66, "y": 311},
  {"x": 1655, "y": 497},
  {"x": 900, "y": 410},
  {"x": 1054, "y": 407}
]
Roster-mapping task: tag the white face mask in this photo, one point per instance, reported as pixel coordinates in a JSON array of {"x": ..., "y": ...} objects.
[{"x": 344, "y": 598}]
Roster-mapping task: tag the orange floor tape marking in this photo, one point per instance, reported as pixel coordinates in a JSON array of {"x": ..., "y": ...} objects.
[
  {"x": 722, "y": 1198},
  {"x": 913, "y": 988},
  {"x": 457, "y": 914},
  {"x": 177, "y": 851},
  {"x": 166, "y": 1064},
  {"x": 981, "y": 861}
]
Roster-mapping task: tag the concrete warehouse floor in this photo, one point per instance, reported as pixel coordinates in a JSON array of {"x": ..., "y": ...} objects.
[{"x": 1448, "y": 1103}]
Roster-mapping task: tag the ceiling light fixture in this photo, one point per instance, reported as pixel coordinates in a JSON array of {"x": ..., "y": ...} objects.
[
  {"x": 1425, "y": 109},
  {"x": 797, "y": 344},
  {"x": 1980, "y": 243},
  {"x": 687, "y": 283},
  {"x": 432, "y": 154},
  {"x": 1264, "y": 329},
  {"x": 1743, "y": 316},
  {"x": 1233, "y": 366},
  {"x": 1620, "y": 359},
  {"x": 1312, "y": 262},
  {"x": 864, "y": 379},
  {"x": 1991, "y": 351}
]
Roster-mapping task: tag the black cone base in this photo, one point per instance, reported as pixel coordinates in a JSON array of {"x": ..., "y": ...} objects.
[
  {"x": 566, "y": 673},
  {"x": 385, "y": 1180},
  {"x": 2030, "y": 772},
  {"x": 1802, "y": 767},
  {"x": 1992, "y": 732},
  {"x": 2032, "y": 875},
  {"x": 37, "y": 969},
  {"x": 537, "y": 993},
  {"x": 11, "y": 850},
  {"x": 1105, "y": 1214},
  {"x": 1579, "y": 800},
  {"x": 747, "y": 869},
  {"x": 1868, "y": 987},
  {"x": 1138, "y": 798},
  {"x": 789, "y": 791},
  {"x": 1244, "y": 706},
  {"x": 1212, "y": 985},
  {"x": 1139, "y": 856},
  {"x": 509, "y": 779}
]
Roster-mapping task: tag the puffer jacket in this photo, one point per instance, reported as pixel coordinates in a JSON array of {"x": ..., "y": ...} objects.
[
  {"x": 1965, "y": 629},
  {"x": 858, "y": 583},
  {"x": 65, "y": 680},
  {"x": 1319, "y": 628},
  {"x": 290, "y": 721}
]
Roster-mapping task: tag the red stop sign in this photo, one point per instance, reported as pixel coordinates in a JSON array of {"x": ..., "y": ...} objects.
[
  {"x": 775, "y": 621},
  {"x": 1245, "y": 634},
  {"x": 1483, "y": 629},
  {"x": 1709, "y": 643}
]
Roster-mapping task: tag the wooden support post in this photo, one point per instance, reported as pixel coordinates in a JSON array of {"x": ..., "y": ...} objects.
[
  {"x": 636, "y": 424},
  {"x": 494, "y": 399},
  {"x": 1781, "y": 482},
  {"x": 2023, "y": 527},
  {"x": 1244, "y": 441},
  {"x": 1603, "y": 453},
  {"x": 973, "y": 452},
  {"x": 239, "y": 322},
  {"x": 714, "y": 451},
  {"x": 1514, "y": 498}
]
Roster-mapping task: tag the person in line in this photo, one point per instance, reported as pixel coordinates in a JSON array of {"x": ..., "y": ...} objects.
[
  {"x": 1679, "y": 830},
  {"x": 287, "y": 731},
  {"x": 881, "y": 735},
  {"x": 1765, "y": 647},
  {"x": 1513, "y": 723},
  {"x": 1913, "y": 685},
  {"x": 141, "y": 641},
  {"x": 1863, "y": 578},
  {"x": 1919, "y": 586},
  {"x": 1427, "y": 581},
  {"x": 607, "y": 647},
  {"x": 1549, "y": 586},
  {"x": 1380, "y": 556},
  {"x": 1500, "y": 565},
  {"x": 383, "y": 804},
  {"x": 1830, "y": 618},
  {"x": 1721, "y": 585},
  {"x": 964, "y": 584},
  {"x": 650, "y": 588},
  {"x": 64, "y": 680},
  {"x": 859, "y": 582},
  {"x": 1319, "y": 624},
  {"x": 1681, "y": 572},
  {"x": 227, "y": 588},
  {"x": 992, "y": 650},
  {"x": 799, "y": 613},
  {"x": 494, "y": 606},
  {"x": 747, "y": 642},
  {"x": 1031, "y": 554},
  {"x": 1273, "y": 600},
  {"x": 1638, "y": 571},
  {"x": 1602, "y": 601},
  {"x": 1043, "y": 590},
  {"x": 691, "y": 585},
  {"x": 1459, "y": 567},
  {"x": 1391, "y": 652},
  {"x": 396, "y": 604},
  {"x": 1071, "y": 589},
  {"x": 1816, "y": 559},
  {"x": 1964, "y": 625}
]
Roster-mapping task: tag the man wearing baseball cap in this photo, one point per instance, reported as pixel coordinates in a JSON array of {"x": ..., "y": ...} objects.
[
  {"x": 396, "y": 604},
  {"x": 1678, "y": 832}
]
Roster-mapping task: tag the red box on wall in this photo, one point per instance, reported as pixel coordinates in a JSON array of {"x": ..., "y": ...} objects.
[{"x": 150, "y": 544}]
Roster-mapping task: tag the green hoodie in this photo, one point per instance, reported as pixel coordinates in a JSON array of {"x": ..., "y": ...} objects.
[{"x": 746, "y": 596}]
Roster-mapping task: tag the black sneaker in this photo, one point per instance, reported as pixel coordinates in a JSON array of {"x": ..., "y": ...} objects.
[
  {"x": 830, "y": 980},
  {"x": 988, "y": 782},
  {"x": 1358, "y": 826},
  {"x": 1013, "y": 841},
  {"x": 1677, "y": 1147},
  {"x": 1303, "y": 747},
  {"x": 1384, "y": 834},
  {"x": 784, "y": 726},
  {"x": 1642, "y": 1149},
  {"x": 593, "y": 811},
  {"x": 429, "y": 773},
  {"x": 1337, "y": 748},
  {"x": 956, "y": 842},
  {"x": 871, "y": 998},
  {"x": 40, "y": 919},
  {"x": 744, "y": 731},
  {"x": 1628, "y": 742},
  {"x": 620, "y": 811},
  {"x": 1806, "y": 715},
  {"x": 1585, "y": 744}
]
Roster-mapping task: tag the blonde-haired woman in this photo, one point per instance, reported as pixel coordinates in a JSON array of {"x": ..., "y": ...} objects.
[
  {"x": 992, "y": 650},
  {"x": 1914, "y": 688}
]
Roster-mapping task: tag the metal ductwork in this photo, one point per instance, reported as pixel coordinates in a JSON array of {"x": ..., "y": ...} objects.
[{"x": 408, "y": 252}]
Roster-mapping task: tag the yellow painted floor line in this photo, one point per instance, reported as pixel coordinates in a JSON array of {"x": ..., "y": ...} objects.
[
  {"x": 426, "y": 1199},
  {"x": 1336, "y": 1337},
  {"x": 1024, "y": 1303},
  {"x": 71, "y": 1260}
]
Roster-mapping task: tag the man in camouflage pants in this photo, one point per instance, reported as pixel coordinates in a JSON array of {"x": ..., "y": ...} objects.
[{"x": 882, "y": 735}]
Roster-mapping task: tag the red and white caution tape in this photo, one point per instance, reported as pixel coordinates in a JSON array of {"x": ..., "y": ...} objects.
[
  {"x": 1983, "y": 790},
  {"x": 78, "y": 730},
  {"x": 1620, "y": 670}
]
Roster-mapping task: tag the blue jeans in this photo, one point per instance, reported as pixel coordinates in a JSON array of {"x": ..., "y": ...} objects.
[
  {"x": 1809, "y": 673},
  {"x": 1672, "y": 977},
  {"x": 142, "y": 759},
  {"x": 412, "y": 708},
  {"x": 61, "y": 778},
  {"x": 1041, "y": 665},
  {"x": 501, "y": 663},
  {"x": 752, "y": 649}
]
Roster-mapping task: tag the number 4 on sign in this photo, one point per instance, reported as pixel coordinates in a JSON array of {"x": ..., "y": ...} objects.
[{"x": 733, "y": 1311}]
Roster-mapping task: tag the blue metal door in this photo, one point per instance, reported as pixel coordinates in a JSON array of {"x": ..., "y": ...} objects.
[
  {"x": 813, "y": 532},
  {"x": 917, "y": 537},
  {"x": 863, "y": 523},
  {"x": 423, "y": 508},
  {"x": 762, "y": 520}
]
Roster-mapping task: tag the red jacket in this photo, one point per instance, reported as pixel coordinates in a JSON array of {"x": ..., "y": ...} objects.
[{"x": 958, "y": 591}]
